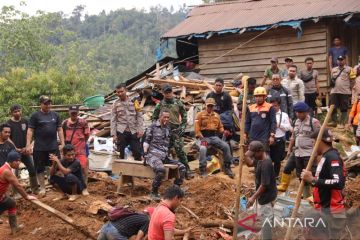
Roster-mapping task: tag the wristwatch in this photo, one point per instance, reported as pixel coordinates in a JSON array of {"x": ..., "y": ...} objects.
[{"x": 313, "y": 182}]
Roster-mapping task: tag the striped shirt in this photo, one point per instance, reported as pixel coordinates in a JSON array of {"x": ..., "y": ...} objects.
[{"x": 131, "y": 225}]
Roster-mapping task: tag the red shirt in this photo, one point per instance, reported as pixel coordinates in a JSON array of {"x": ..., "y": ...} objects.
[
  {"x": 4, "y": 185},
  {"x": 163, "y": 219},
  {"x": 81, "y": 134}
]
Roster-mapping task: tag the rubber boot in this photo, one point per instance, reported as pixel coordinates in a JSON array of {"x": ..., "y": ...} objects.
[
  {"x": 227, "y": 170},
  {"x": 285, "y": 181},
  {"x": 188, "y": 173},
  {"x": 154, "y": 195},
  {"x": 13, "y": 224},
  {"x": 41, "y": 179},
  {"x": 34, "y": 185},
  {"x": 203, "y": 172}
]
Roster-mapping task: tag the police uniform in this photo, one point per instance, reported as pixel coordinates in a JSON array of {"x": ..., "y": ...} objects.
[{"x": 158, "y": 139}]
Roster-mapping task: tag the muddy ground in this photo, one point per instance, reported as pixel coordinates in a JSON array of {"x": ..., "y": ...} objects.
[{"x": 210, "y": 198}]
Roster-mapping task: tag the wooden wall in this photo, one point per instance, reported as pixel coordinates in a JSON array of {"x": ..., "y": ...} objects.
[{"x": 254, "y": 57}]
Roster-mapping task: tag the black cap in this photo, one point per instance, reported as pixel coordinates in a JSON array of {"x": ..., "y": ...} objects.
[
  {"x": 15, "y": 107},
  {"x": 44, "y": 99},
  {"x": 326, "y": 137},
  {"x": 13, "y": 156},
  {"x": 74, "y": 108},
  {"x": 340, "y": 57},
  {"x": 167, "y": 88}
]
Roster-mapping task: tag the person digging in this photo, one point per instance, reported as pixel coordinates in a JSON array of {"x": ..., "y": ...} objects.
[
  {"x": 66, "y": 175},
  {"x": 7, "y": 178}
]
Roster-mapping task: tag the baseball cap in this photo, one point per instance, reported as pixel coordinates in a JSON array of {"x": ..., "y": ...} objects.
[
  {"x": 210, "y": 101},
  {"x": 13, "y": 156},
  {"x": 301, "y": 107},
  {"x": 340, "y": 57},
  {"x": 73, "y": 108},
  {"x": 274, "y": 59},
  {"x": 44, "y": 99},
  {"x": 288, "y": 59},
  {"x": 167, "y": 88},
  {"x": 15, "y": 107},
  {"x": 326, "y": 137}
]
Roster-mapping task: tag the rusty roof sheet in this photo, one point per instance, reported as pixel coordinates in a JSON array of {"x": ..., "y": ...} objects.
[{"x": 252, "y": 13}]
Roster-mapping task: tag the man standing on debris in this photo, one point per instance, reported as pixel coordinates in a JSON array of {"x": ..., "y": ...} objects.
[
  {"x": 77, "y": 132},
  {"x": 162, "y": 221},
  {"x": 273, "y": 69},
  {"x": 44, "y": 126},
  {"x": 5, "y": 145},
  {"x": 177, "y": 124},
  {"x": 295, "y": 85},
  {"x": 312, "y": 89},
  {"x": 266, "y": 191},
  {"x": 67, "y": 175},
  {"x": 328, "y": 183},
  {"x": 304, "y": 126},
  {"x": 19, "y": 127},
  {"x": 207, "y": 128},
  {"x": 260, "y": 124},
  {"x": 126, "y": 124},
  {"x": 340, "y": 92},
  {"x": 156, "y": 150},
  {"x": 7, "y": 178},
  {"x": 279, "y": 91},
  {"x": 223, "y": 99}
]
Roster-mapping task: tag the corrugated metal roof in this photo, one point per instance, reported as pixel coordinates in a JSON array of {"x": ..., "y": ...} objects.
[{"x": 253, "y": 13}]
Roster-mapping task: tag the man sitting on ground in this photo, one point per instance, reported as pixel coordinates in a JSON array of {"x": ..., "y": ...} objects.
[
  {"x": 67, "y": 175},
  {"x": 126, "y": 226},
  {"x": 162, "y": 222},
  {"x": 7, "y": 178}
]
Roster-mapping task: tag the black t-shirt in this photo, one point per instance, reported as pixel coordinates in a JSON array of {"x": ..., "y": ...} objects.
[
  {"x": 5, "y": 148},
  {"x": 265, "y": 176},
  {"x": 75, "y": 168},
  {"x": 223, "y": 102},
  {"x": 45, "y": 127},
  {"x": 18, "y": 132},
  {"x": 130, "y": 225}
]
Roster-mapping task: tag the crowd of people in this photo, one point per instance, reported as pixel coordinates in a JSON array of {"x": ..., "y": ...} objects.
[{"x": 278, "y": 111}]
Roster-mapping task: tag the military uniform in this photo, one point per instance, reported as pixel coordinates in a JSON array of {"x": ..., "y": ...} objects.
[
  {"x": 177, "y": 126},
  {"x": 158, "y": 139},
  {"x": 125, "y": 123}
]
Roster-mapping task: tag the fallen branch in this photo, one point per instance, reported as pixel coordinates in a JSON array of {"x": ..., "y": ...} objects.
[
  {"x": 63, "y": 217},
  {"x": 207, "y": 223},
  {"x": 191, "y": 212}
]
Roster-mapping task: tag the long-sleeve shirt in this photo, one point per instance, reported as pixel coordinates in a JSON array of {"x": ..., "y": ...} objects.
[
  {"x": 178, "y": 115},
  {"x": 207, "y": 122},
  {"x": 260, "y": 122},
  {"x": 355, "y": 113},
  {"x": 330, "y": 181},
  {"x": 125, "y": 117},
  {"x": 157, "y": 138},
  {"x": 286, "y": 99},
  {"x": 223, "y": 101},
  {"x": 282, "y": 124},
  {"x": 296, "y": 87}
]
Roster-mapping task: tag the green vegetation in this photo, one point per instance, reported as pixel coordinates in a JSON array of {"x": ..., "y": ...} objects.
[{"x": 71, "y": 57}]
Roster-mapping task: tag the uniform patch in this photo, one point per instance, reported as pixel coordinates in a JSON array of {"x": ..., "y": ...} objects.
[
  {"x": 263, "y": 115},
  {"x": 335, "y": 163}
]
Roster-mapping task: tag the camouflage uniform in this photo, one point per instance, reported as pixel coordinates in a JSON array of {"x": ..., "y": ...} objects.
[
  {"x": 177, "y": 127},
  {"x": 158, "y": 138}
]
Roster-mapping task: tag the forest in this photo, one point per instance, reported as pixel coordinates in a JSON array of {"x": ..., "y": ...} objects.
[{"x": 70, "y": 57}]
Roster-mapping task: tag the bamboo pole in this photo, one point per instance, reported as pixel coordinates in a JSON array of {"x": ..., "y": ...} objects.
[
  {"x": 242, "y": 142},
  {"x": 308, "y": 168}
]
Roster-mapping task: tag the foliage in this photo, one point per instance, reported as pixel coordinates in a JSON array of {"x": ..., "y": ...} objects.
[{"x": 72, "y": 57}]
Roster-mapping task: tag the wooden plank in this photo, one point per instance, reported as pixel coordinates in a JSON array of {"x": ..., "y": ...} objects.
[
  {"x": 267, "y": 49},
  {"x": 260, "y": 42}
]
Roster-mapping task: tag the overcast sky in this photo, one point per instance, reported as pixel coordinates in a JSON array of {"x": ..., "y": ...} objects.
[{"x": 93, "y": 6}]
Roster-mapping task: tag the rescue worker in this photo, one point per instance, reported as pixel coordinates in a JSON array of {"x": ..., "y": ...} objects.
[
  {"x": 251, "y": 87},
  {"x": 156, "y": 149},
  {"x": 207, "y": 128},
  {"x": 278, "y": 91},
  {"x": 7, "y": 178},
  {"x": 177, "y": 124},
  {"x": 304, "y": 126},
  {"x": 295, "y": 85},
  {"x": 260, "y": 124},
  {"x": 126, "y": 124},
  {"x": 223, "y": 99},
  {"x": 328, "y": 183}
]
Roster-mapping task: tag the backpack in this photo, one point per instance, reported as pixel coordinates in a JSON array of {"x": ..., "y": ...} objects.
[
  {"x": 118, "y": 212},
  {"x": 226, "y": 119}
]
